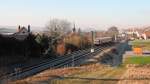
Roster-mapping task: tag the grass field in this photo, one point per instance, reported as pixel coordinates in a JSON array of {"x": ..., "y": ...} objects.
[
  {"x": 137, "y": 60},
  {"x": 144, "y": 44},
  {"x": 96, "y": 75},
  {"x": 89, "y": 74}
]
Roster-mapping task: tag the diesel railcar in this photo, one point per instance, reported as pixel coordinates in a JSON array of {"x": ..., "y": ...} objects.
[{"x": 102, "y": 40}]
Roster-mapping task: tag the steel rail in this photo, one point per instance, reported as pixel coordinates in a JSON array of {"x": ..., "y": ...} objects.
[{"x": 54, "y": 63}]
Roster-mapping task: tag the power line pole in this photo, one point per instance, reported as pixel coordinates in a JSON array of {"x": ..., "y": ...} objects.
[
  {"x": 73, "y": 61},
  {"x": 92, "y": 45}
]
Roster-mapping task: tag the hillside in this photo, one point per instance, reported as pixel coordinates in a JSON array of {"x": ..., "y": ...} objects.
[{"x": 7, "y": 30}]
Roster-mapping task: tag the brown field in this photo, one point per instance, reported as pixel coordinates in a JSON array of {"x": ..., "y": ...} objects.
[
  {"x": 88, "y": 71},
  {"x": 136, "y": 75}
]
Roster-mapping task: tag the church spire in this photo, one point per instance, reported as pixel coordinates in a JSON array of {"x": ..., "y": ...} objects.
[{"x": 74, "y": 28}]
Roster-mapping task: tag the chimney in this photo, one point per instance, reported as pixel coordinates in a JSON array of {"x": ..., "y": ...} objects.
[
  {"x": 19, "y": 28},
  {"x": 28, "y": 28}
]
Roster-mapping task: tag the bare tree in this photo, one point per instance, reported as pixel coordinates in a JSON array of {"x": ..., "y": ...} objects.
[
  {"x": 112, "y": 31},
  {"x": 58, "y": 26}
]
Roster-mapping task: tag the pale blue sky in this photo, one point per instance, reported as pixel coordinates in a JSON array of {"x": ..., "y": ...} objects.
[{"x": 85, "y": 13}]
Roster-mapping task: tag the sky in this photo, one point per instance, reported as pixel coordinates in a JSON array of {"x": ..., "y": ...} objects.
[{"x": 96, "y": 14}]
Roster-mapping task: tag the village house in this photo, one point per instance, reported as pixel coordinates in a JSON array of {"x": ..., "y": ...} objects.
[
  {"x": 21, "y": 33},
  {"x": 136, "y": 33},
  {"x": 147, "y": 32}
]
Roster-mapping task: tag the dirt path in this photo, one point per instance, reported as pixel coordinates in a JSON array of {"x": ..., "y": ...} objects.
[{"x": 136, "y": 75}]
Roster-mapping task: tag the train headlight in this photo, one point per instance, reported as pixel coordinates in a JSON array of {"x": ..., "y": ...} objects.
[{"x": 92, "y": 50}]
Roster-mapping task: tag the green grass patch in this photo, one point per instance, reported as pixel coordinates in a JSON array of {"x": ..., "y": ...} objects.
[{"x": 137, "y": 60}]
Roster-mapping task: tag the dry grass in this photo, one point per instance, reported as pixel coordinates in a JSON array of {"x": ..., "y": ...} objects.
[
  {"x": 56, "y": 73},
  {"x": 96, "y": 75},
  {"x": 136, "y": 72}
]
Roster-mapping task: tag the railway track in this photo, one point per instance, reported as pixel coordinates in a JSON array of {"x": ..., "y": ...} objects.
[
  {"x": 53, "y": 63},
  {"x": 43, "y": 61}
]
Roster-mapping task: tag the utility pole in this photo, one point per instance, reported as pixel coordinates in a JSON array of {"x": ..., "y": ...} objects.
[
  {"x": 74, "y": 30},
  {"x": 92, "y": 45},
  {"x": 115, "y": 38},
  {"x": 73, "y": 61},
  {"x": 81, "y": 36}
]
